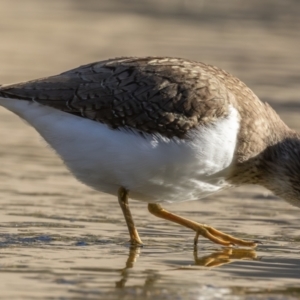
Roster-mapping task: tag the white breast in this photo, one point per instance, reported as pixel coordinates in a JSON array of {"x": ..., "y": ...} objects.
[{"x": 153, "y": 168}]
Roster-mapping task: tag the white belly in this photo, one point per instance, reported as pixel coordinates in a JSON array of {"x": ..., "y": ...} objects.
[{"x": 153, "y": 168}]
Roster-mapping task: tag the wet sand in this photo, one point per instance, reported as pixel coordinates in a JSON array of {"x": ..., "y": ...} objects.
[{"x": 61, "y": 240}]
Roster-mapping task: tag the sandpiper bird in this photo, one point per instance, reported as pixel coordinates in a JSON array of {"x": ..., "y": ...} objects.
[{"x": 161, "y": 130}]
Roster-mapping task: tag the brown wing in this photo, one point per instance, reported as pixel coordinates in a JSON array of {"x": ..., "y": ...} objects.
[{"x": 153, "y": 95}]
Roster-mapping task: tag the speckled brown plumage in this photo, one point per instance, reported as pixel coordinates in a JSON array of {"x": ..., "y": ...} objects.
[
  {"x": 169, "y": 96},
  {"x": 166, "y": 96},
  {"x": 173, "y": 98}
]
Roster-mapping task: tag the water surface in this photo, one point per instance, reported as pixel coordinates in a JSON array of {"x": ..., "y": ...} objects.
[{"x": 62, "y": 240}]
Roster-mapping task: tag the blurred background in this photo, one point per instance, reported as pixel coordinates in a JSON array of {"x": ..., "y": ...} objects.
[
  {"x": 258, "y": 41},
  {"x": 61, "y": 240}
]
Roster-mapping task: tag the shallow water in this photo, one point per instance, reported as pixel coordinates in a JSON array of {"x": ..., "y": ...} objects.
[{"x": 61, "y": 240}]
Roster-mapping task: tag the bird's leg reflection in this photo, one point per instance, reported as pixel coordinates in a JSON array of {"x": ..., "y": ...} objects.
[
  {"x": 151, "y": 275},
  {"x": 134, "y": 253},
  {"x": 225, "y": 256}
]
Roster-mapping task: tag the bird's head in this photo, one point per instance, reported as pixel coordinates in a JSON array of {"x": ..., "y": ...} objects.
[{"x": 280, "y": 169}]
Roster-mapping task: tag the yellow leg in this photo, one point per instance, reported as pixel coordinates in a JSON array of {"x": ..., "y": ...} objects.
[
  {"x": 208, "y": 232},
  {"x": 123, "y": 201}
]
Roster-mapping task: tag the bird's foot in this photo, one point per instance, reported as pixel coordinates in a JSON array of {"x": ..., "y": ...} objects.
[
  {"x": 220, "y": 237},
  {"x": 206, "y": 231},
  {"x": 136, "y": 242}
]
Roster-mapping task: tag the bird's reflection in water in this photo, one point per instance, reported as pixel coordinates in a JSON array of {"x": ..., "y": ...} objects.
[
  {"x": 224, "y": 256},
  {"x": 215, "y": 259},
  {"x": 134, "y": 253}
]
